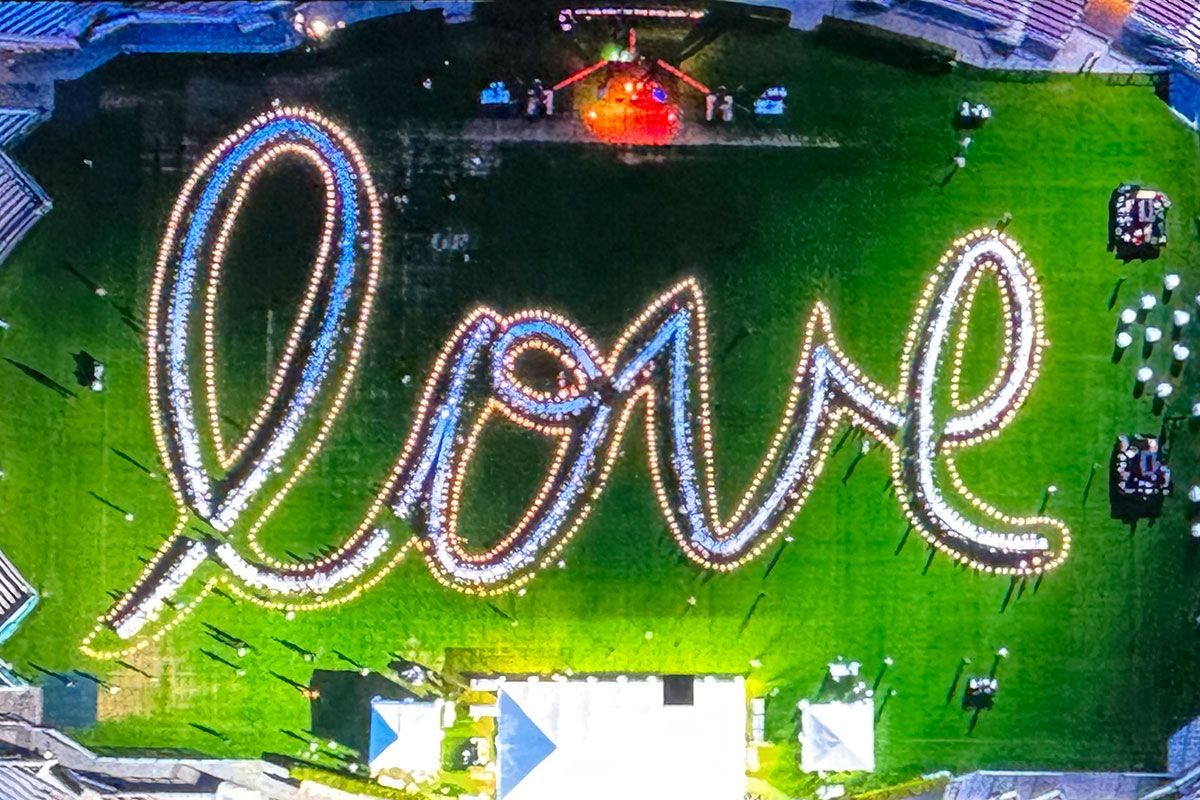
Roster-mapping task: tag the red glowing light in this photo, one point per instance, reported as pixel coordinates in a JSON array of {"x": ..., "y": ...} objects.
[
  {"x": 683, "y": 76},
  {"x": 575, "y": 77},
  {"x": 633, "y": 113}
]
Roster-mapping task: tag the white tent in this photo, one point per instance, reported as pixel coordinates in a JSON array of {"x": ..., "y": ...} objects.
[
  {"x": 406, "y": 735},
  {"x": 837, "y": 737},
  {"x": 603, "y": 739}
]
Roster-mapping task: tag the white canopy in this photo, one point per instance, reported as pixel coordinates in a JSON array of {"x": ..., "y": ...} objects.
[
  {"x": 603, "y": 739},
  {"x": 406, "y": 735},
  {"x": 837, "y": 737}
]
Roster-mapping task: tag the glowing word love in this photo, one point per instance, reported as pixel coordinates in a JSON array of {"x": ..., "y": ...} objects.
[{"x": 483, "y": 373}]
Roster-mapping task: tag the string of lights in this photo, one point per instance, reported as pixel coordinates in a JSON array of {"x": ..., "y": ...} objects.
[{"x": 660, "y": 363}]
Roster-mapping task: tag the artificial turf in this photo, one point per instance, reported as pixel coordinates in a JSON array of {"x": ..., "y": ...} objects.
[{"x": 1102, "y": 664}]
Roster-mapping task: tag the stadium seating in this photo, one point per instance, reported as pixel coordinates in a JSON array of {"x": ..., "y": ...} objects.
[
  {"x": 17, "y": 599},
  {"x": 1166, "y": 30},
  {"x": 22, "y": 203},
  {"x": 43, "y": 24},
  {"x": 1040, "y": 27},
  {"x": 62, "y": 25},
  {"x": 24, "y": 781},
  {"x": 976, "y": 14},
  {"x": 1050, "y": 22},
  {"x": 1177, "y": 19},
  {"x": 16, "y": 122}
]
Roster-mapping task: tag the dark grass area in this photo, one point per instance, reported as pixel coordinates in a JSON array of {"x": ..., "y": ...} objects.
[{"x": 1103, "y": 650}]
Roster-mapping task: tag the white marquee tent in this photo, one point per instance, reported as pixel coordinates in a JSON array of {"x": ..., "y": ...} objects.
[
  {"x": 837, "y": 737},
  {"x": 406, "y": 735},
  {"x": 600, "y": 739}
]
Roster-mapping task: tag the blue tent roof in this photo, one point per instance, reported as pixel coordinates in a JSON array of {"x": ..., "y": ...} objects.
[
  {"x": 522, "y": 745},
  {"x": 382, "y": 734}
]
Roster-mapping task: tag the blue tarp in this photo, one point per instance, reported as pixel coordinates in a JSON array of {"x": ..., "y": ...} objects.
[{"x": 1184, "y": 96}]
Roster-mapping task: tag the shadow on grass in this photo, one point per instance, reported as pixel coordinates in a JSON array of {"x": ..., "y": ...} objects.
[
  {"x": 342, "y": 711},
  {"x": 750, "y": 614},
  {"x": 85, "y": 367},
  {"x": 43, "y": 379},
  {"x": 1116, "y": 294},
  {"x": 109, "y": 503},
  {"x": 1008, "y": 596},
  {"x": 216, "y": 734},
  {"x": 121, "y": 454},
  {"x": 958, "y": 673}
]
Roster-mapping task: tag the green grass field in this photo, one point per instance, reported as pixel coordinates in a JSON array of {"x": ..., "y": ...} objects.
[{"x": 1103, "y": 663}]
